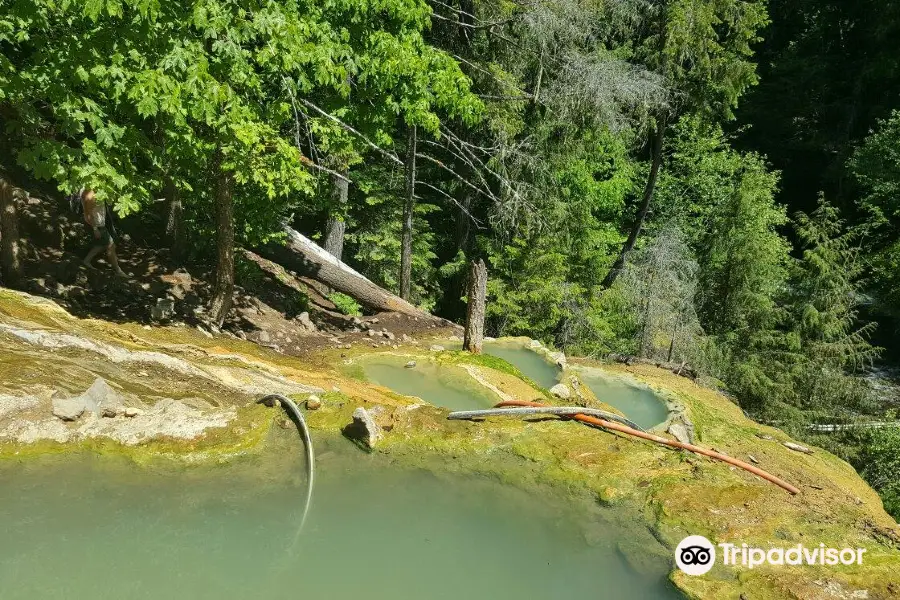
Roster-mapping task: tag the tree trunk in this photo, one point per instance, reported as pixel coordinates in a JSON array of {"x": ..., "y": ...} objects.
[
  {"x": 649, "y": 188},
  {"x": 408, "y": 207},
  {"x": 474, "y": 335},
  {"x": 174, "y": 221},
  {"x": 335, "y": 227},
  {"x": 224, "y": 288},
  {"x": 302, "y": 255},
  {"x": 10, "y": 248}
]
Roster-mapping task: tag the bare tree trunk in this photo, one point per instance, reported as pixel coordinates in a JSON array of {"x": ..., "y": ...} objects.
[
  {"x": 174, "y": 221},
  {"x": 335, "y": 227},
  {"x": 672, "y": 343},
  {"x": 649, "y": 188},
  {"x": 463, "y": 223},
  {"x": 408, "y": 207},
  {"x": 224, "y": 288},
  {"x": 300, "y": 254},
  {"x": 10, "y": 249},
  {"x": 474, "y": 335}
]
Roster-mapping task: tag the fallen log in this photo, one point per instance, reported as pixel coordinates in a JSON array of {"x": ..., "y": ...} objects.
[
  {"x": 610, "y": 426},
  {"x": 300, "y": 254}
]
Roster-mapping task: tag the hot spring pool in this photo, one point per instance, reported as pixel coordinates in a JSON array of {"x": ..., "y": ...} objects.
[{"x": 83, "y": 528}]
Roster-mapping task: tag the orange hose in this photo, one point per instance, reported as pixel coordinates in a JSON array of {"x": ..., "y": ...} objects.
[{"x": 667, "y": 442}]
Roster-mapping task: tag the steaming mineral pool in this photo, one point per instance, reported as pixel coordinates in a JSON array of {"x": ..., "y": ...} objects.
[
  {"x": 448, "y": 386},
  {"x": 84, "y": 527},
  {"x": 639, "y": 404}
]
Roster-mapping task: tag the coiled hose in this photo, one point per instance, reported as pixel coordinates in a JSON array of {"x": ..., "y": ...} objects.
[{"x": 290, "y": 407}]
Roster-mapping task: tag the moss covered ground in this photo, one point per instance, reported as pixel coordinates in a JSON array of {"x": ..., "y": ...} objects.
[{"x": 676, "y": 492}]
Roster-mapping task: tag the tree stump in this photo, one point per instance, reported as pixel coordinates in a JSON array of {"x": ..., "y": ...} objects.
[
  {"x": 10, "y": 249},
  {"x": 474, "y": 335}
]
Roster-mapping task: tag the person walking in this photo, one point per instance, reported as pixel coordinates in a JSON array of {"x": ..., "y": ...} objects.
[{"x": 95, "y": 215}]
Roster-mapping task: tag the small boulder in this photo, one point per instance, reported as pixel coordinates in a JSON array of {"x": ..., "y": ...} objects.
[
  {"x": 534, "y": 344},
  {"x": 264, "y": 337},
  {"x": 681, "y": 429},
  {"x": 313, "y": 403},
  {"x": 102, "y": 399},
  {"x": 306, "y": 322},
  {"x": 364, "y": 428},
  {"x": 164, "y": 309},
  {"x": 410, "y": 365},
  {"x": 436, "y": 348},
  {"x": 131, "y": 412},
  {"x": 387, "y": 334},
  {"x": 370, "y": 333},
  {"x": 559, "y": 358},
  {"x": 561, "y": 390},
  {"x": 68, "y": 409}
]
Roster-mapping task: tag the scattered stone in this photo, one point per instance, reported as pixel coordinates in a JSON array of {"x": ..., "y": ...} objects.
[
  {"x": 264, "y": 337},
  {"x": 335, "y": 389},
  {"x": 764, "y": 436},
  {"x": 131, "y": 412},
  {"x": 164, "y": 309},
  {"x": 68, "y": 409},
  {"x": 681, "y": 429},
  {"x": 559, "y": 358},
  {"x": 101, "y": 399},
  {"x": 436, "y": 348},
  {"x": 240, "y": 334},
  {"x": 534, "y": 344},
  {"x": 561, "y": 390},
  {"x": 405, "y": 337},
  {"x": 364, "y": 428},
  {"x": 373, "y": 320},
  {"x": 204, "y": 332},
  {"x": 753, "y": 459},
  {"x": 306, "y": 322},
  {"x": 410, "y": 365},
  {"x": 143, "y": 374},
  {"x": 387, "y": 334},
  {"x": 370, "y": 333},
  {"x": 356, "y": 321},
  {"x": 347, "y": 346},
  {"x": 313, "y": 403},
  {"x": 797, "y": 448}
]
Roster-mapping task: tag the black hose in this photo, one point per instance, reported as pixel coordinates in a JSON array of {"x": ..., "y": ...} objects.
[{"x": 290, "y": 407}]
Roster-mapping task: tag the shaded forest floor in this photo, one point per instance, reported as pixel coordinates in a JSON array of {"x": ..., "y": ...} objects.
[{"x": 271, "y": 306}]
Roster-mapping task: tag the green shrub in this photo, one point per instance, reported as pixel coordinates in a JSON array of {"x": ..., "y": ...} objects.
[{"x": 346, "y": 304}]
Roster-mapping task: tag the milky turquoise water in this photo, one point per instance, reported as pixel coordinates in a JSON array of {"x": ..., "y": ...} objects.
[
  {"x": 89, "y": 528},
  {"x": 532, "y": 364},
  {"x": 442, "y": 385},
  {"x": 637, "y": 403}
]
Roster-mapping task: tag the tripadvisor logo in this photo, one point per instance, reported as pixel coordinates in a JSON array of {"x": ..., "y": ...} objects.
[{"x": 696, "y": 555}]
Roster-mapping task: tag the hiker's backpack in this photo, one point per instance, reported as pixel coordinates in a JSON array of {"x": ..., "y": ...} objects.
[{"x": 75, "y": 204}]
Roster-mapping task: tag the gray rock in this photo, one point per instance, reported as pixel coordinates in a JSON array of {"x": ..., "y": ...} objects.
[
  {"x": 410, "y": 365},
  {"x": 387, "y": 334},
  {"x": 102, "y": 400},
  {"x": 559, "y": 358},
  {"x": 313, "y": 403},
  {"x": 131, "y": 412},
  {"x": 68, "y": 409},
  {"x": 306, "y": 322},
  {"x": 370, "y": 333},
  {"x": 436, "y": 348},
  {"x": 534, "y": 344},
  {"x": 681, "y": 429},
  {"x": 797, "y": 448},
  {"x": 164, "y": 309},
  {"x": 561, "y": 390},
  {"x": 264, "y": 337},
  {"x": 364, "y": 428}
]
